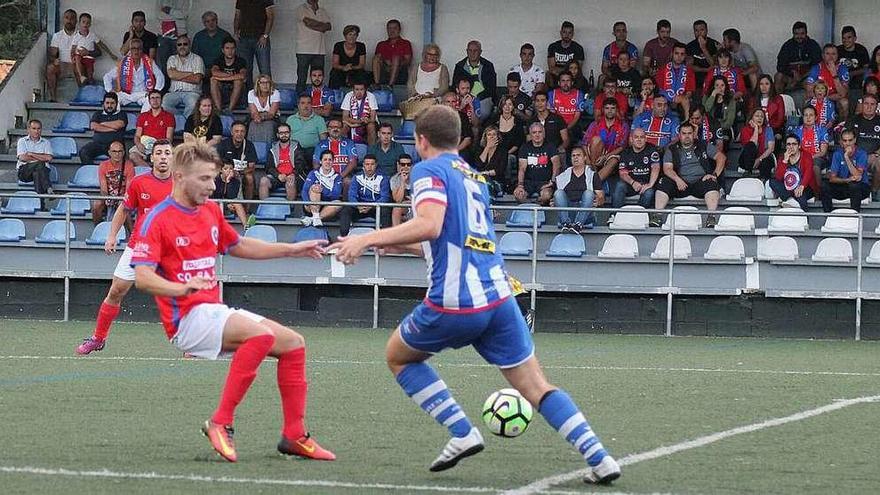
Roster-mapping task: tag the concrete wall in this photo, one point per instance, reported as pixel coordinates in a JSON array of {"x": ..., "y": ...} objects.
[
  {"x": 863, "y": 15},
  {"x": 18, "y": 87}
]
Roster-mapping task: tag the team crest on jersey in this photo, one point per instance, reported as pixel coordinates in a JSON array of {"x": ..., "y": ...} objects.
[
  {"x": 877, "y": 128},
  {"x": 141, "y": 249},
  {"x": 145, "y": 196},
  {"x": 215, "y": 235},
  {"x": 182, "y": 241},
  {"x": 645, "y": 160},
  {"x": 655, "y": 157}
]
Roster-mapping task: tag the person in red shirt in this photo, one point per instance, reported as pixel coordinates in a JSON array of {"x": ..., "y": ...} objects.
[
  {"x": 605, "y": 139},
  {"x": 766, "y": 98},
  {"x": 609, "y": 90},
  {"x": 142, "y": 194},
  {"x": 392, "y": 58},
  {"x": 114, "y": 175},
  {"x": 174, "y": 259},
  {"x": 151, "y": 126},
  {"x": 793, "y": 177}
]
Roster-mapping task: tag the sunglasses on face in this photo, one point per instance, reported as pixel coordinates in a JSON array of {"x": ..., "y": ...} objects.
[{"x": 183, "y": 44}]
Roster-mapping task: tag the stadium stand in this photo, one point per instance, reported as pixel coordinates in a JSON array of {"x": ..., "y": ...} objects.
[{"x": 100, "y": 233}]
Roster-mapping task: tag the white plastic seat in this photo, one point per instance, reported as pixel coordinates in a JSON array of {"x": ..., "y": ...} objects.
[
  {"x": 841, "y": 225},
  {"x": 746, "y": 189},
  {"x": 684, "y": 221},
  {"x": 726, "y": 247},
  {"x": 736, "y": 223},
  {"x": 682, "y": 248},
  {"x": 620, "y": 246},
  {"x": 768, "y": 193},
  {"x": 786, "y": 223},
  {"x": 874, "y": 256},
  {"x": 779, "y": 248},
  {"x": 845, "y": 202},
  {"x": 632, "y": 217},
  {"x": 834, "y": 249}
]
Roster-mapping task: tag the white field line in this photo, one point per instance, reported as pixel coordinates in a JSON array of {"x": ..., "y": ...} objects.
[
  {"x": 654, "y": 369},
  {"x": 542, "y": 485}
]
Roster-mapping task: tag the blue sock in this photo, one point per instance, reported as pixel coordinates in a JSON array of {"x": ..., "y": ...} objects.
[
  {"x": 422, "y": 384},
  {"x": 563, "y": 415}
]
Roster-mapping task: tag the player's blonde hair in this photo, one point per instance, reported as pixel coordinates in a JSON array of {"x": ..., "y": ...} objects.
[{"x": 194, "y": 151}]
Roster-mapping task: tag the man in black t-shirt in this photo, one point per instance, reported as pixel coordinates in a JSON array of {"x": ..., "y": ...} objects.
[
  {"x": 867, "y": 130},
  {"x": 561, "y": 52},
  {"x": 701, "y": 52},
  {"x": 228, "y": 75},
  {"x": 522, "y": 104},
  {"x": 629, "y": 80},
  {"x": 854, "y": 56},
  {"x": 555, "y": 130},
  {"x": 639, "y": 170},
  {"x": 136, "y": 30},
  {"x": 538, "y": 166},
  {"x": 253, "y": 22},
  {"x": 108, "y": 125}
]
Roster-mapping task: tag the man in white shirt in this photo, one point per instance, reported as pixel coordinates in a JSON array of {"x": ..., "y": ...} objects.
[
  {"x": 140, "y": 75},
  {"x": 186, "y": 71},
  {"x": 86, "y": 47},
  {"x": 60, "y": 62},
  {"x": 313, "y": 22},
  {"x": 531, "y": 76},
  {"x": 34, "y": 152}
]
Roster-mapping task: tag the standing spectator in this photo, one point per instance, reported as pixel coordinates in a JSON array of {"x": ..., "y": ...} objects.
[
  {"x": 252, "y": 26},
  {"x": 242, "y": 155},
  {"x": 227, "y": 185},
  {"x": 794, "y": 177},
  {"x": 555, "y": 131},
  {"x": 826, "y": 111},
  {"x": 108, "y": 125},
  {"x": 360, "y": 114},
  {"x": 758, "y": 142},
  {"x": 568, "y": 103},
  {"x": 323, "y": 184},
  {"x": 313, "y": 22},
  {"x": 60, "y": 62},
  {"x": 367, "y": 187},
  {"x": 615, "y": 48},
  {"x": 307, "y": 127},
  {"x": 228, "y": 74},
  {"x": 522, "y": 103},
  {"x": 426, "y": 82},
  {"x": 710, "y": 136},
  {"x": 610, "y": 92},
  {"x": 639, "y": 171},
  {"x": 835, "y": 75},
  {"x": 137, "y": 31},
  {"x": 186, "y": 71},
  {"x": 539, "y": 164},
  {"x": 114, "y": 175},
  {"x": 644, "y": 102},
  {"x": 481, "y": 73},
  {"x": 795, "y": 58},
  {"x": 605, "y": 139},
  {"x": 815, "y": 141},
  {"x": 848, "y": 175},
  {"x": 561, "y": 52},
  {"x": 34, "y": 153},
  {"x": 393, "y": 57},
  {"x": 86, "y": 47},
  {"x": 208, "y": 43},
  {"x": 386, "y": 150},
  {"x": 401, "y": 188},
  {"x": 660, "y": 128},
  {"x": 134, "y": 76},
  {"x": 701, "y": 52},
  {"x": 866, "y": 128},
  {"x": 349, "y": 59},
  {"x": 531, "y": 76},
  {"x": 658, "y": 51},
  {"x": 466, "y": 139},
  {"x": 627, "y": 79},
  {"x": 744, "y": 57},
  {"x": 719, "y": 107},
  {"x": 732, "y": 74},
  {"x": 345, "y": 160},
  {"x": 676, "y": 81},
  {"x": 766, "y": 98},
  {"x": 286, "y": 166},
  {"x": 153, "y": 125},
  {"x": 204, "y": 124},
  {"x": 854, "y": 56},
  {"x": 578, "y": 186},
  {"x": 264, "y": 106},
  {"x": 172, "y": 15}
]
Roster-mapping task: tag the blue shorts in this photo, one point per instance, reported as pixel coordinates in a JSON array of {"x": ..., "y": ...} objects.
[{"x": 499, "y": 334}]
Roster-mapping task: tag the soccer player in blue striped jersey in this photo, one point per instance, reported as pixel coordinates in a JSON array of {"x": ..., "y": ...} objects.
[{"x": 469, "y": 300}]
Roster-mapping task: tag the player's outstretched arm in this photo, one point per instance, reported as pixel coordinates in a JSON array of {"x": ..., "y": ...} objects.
[
  {"x": 255, "y": 249},
  {"x": 147, "y": 280}
]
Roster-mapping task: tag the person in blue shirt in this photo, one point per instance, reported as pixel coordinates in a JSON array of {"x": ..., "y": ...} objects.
[
  {"x": 322, "y": 184},
  {"x": 369, "y": 186},
  {"x": 848, "y": 175},
  {"x": 469, "y": 300}
]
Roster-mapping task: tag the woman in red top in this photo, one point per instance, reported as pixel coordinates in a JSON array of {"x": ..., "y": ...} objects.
[
  {"x": 758, "y": 143},
  {"x": 765, "y": 97},
  {"x": 794, "y": 176}
]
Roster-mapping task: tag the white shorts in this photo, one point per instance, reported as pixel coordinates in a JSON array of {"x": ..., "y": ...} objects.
[
  {"x": 123, "y": 267},
  {"x": 200, "y": 332}
]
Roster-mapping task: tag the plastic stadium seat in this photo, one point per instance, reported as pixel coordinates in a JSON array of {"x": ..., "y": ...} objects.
[
  {"x": 88, "y": 95},
  {"x": 53, "y": 177},
  {"x": 686, "y": 221},
  {"x": 226, "y": 121},
  {"x": 53, "y": 232},
  {"x": 845, "y": 202},
  {"x": 99, "y": 235},
  {"x": 406, "y": 130},
  {"x": 785, "y": 223},
  {"x": 262, "y": 149},
  {"x": 130, "y": 123},
  {"x": 736, "y": 223},
  {"x": 141, "y": 170},
  {"x": 335, "y": 98},
  {"x": 11, "y": 230},
  {"x": 385, "y": 100},
  {"x": 873, "y": 257},
  {"x": 310, "y": 234},
  {"x": 841, "y": 225},
  {"x": 410, "y": 149},
  {"x": 73, "y": 122},
  {"x": 631, "y": 217},
  {"x": 22, "y": 203},
  {"x": 356, "y": 231},
  {"x": 834, "y": 249},
  {"x": 620, "y": 246},
  {"x": 360, "y": 150},
  {"x": 79, "y": 205},
  {"x": 288, "y": 98},
  {"x": 571, "y": 245},
  {"x": 746, "y": 189},
  {"x": 725, "y": 247},
  {"x": 179, "y": 124},
  {"x": 86, "y": 176},
  {"x": 273, "y": 211},
  {"x": 779, "y": 248},
  {"x": 515, "y": 244},
  {"x": 682, "y": 248},
  {"x": 262, "y": 232},
  {"x": 525, "y": 218},
  {"x": 63, "y": 147}
]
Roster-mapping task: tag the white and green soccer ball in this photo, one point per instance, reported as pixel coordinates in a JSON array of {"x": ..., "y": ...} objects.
[{"x": 507, "y": 413}]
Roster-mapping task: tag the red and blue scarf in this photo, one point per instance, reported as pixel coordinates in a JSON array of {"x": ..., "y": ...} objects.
[{"x": 127, "y": 70}]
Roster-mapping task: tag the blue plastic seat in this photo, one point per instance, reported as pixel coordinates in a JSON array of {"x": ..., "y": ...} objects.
[
  {"x": 86, "y": 177},
  {"x": 524, "y": 218},
  {"x": 99, "y": 235},
  {"x": 11, "y": 230},
  {"x": 360, "y": 150},
  {"x": 73, "y": 122},
  {"x": 226, "y": 121},
  {"x": 385, "y": 100},
  {"x": 53, "y": 177},
  {"x": 63, "y": 147},
  {"x": 262, "y": 149},
  {"x": 568, "y": 245},
  {"x": 335, "y": 97},
  {"x": 310, "y": 234},
  {"x": 288, "y": 98},
  {"x": 179, "y": 123},
  {"x": 141, "y": 170},
  {"x": 53, "y": 232},
  {"x": 515, "y": 244},
  {"x": 22, "y": 203},
  {"x": 131, "y": 123},
  {"x": 88, "y": 95},
  {"x": 273, "y": 211},
  {"x": 79, "y": 205},
  {"x": 406, "y": 130},
  {"x": 262, "y": 232},
  {"x": 410, "y": 150}
]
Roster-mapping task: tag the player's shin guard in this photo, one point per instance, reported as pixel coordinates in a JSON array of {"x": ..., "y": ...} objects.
[
  {"x": 563, "y": 415},
  {"x": 242, "y": 372},
  {"x": 293, "y": 387},
  {"x": 422, "y": 384},
  {"x": 106, "y": 314}
]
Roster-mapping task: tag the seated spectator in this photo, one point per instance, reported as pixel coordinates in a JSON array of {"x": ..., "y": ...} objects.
[
  {"x": 368, "y": 186},
  {"x": 242, "y": 155},
  {"x": 306, "y": 127},
  {"x": 492, "y": 162},
  {"x": 578, "y": 81},
  {"x": 578, "y": 186},
  {"x": 871, "y": 87},
  {"x": 620, "y": 45},
  {"x": 499, "y": 148},
  {"x": 349, "y": 59},
  {"x": 426, "y": 82},
  {"x": 765, "y": 98},
  {"x": 826, "y": 113},
  {"x": 555, "y": 131},
  {"x": 151, "y": 126},
  {"x": 743, "y": 55},
  {"x": 321, "y": 96},
  {"x": 228, "y": 75},
  {"x": 208, "y": 43},
  {"x": 86, "y": 47},
  {"x": 34, "y": 152},
  {"x": 644, "y": 102},
  {"x": 835, "y": 75},
  {"x": 386, "y": 150},
  {"x": 393, "y": 57},
  {"x": 136, "y": 31},
  {"x": 322, "y": 184},
  {"x": 568, "y": 103},
  {"x": 286, "y": 166},
  {"x": 531, "y": 76},
  {"x": 874, "y": 65},
  {"x": 605, "y": 139},
  {"x": 658, "y": 51},
  {"x": 510, "y": 126},
  {"x": 481, "y": 74},
  {"x": 639, "y": 171},
  {"x": 732, "y": 74},
  {"x": 134, "y": 76},
  {"x": 450, "y": 99},
  {"x": 561, "y": 52},
  {"x": 539, "y": 164},
  {"x": 186, "y": 71},
  {"x": 702, "y": 52},
  {"x": 610, "y": 92},
  {"x": 719, "y": 107},
  {"x": 710, "y": 136},
  {"x": 627, "y": 79},
  {"x": 848, "y": 175},
  {"x": 522, "y": 103},
  {"x": 660, "y": 128},
  {"x": 114, "y": 176},
  {"x": 227, "y": 185},
  {"x": 758, "y": 144},
  {"x": 795, "y": 58},
  {"x": 794, "y": 177},
  {"x": 401, "y": 189},
  {"x": 688, "y": 171},
  {"x": 344, "y": 160},
  {"x": 815, "y": 141},
  {"x": 854, "y": 56},
  {"x": 204, "y": 124},
  {"x": 108, "y": 125},
  {"x": 866, "y": 128},
  {"x": 468, "y": 104},
  {"x": 676, "y": 81},
  {"x": 264, "y": 106},
  {"x": 60, "y": 62},
  {"x": 360, "y": 114}
]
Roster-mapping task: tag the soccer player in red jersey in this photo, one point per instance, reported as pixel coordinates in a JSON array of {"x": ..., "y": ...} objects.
[
  {"x": 174, "y": 259},
  {"x": 144, "y": 192}
]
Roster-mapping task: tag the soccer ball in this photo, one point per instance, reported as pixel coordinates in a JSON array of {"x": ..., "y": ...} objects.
[{"x": 507, "y": 413}]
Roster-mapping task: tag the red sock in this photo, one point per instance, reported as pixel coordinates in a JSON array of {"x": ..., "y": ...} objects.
[
  {"x": 106, "y": 315},
  {"x": 294, "y": 388},
  {"x": 242, "y": 372}
]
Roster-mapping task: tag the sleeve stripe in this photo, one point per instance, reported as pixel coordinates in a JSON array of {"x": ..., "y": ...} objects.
[
  {"x": 430, "y": 194},
  {"x": 417, "y": 202},
  {"x": 144, "y": 263}
]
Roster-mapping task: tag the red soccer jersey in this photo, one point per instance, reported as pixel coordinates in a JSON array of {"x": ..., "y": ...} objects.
[
  {"x": 183, "y": 243},
  {"x": 156, "y": 126},
  {"x": 143, "y": 193}
]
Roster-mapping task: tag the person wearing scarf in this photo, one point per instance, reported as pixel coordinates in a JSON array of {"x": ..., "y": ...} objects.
[{"x": 134, "y": 76}]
